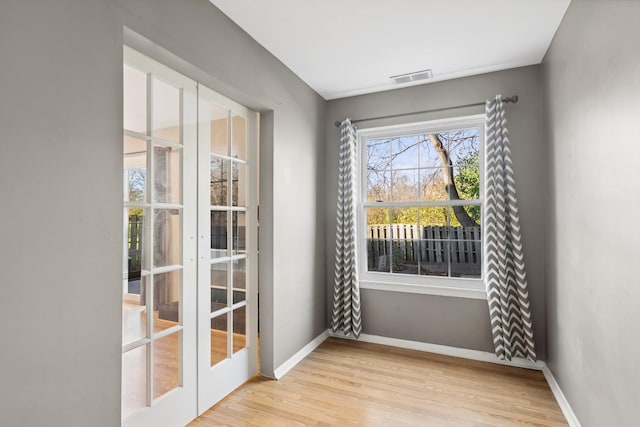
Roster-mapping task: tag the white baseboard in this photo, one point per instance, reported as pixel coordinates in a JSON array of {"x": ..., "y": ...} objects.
[
  {"x": 483, "y": 356},
  {"x": 281, "y": 370},
  {"x": 560, "y": 398}
]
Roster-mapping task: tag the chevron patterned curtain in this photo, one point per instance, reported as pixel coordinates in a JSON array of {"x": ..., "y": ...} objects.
[
  {"x": 346, "y": 292},
  {"x": 507, "y": 293}
]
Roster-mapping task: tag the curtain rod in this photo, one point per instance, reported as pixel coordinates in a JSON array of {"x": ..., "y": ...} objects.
[{"x": 512, "y": 99}]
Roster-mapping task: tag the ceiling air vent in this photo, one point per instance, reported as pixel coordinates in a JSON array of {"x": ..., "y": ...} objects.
[{"x": 412, "y": 77}]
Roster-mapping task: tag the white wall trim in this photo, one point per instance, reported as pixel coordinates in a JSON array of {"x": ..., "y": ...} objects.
[
  {"x": 560, "y": 398},
  {"x": 282, "y": 370},
  {"x": 483, "y": 356}
]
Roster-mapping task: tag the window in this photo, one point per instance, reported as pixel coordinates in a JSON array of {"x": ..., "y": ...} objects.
[{"x": 420, "y": 213}]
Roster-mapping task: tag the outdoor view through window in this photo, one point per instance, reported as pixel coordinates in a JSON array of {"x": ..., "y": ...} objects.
[{"x": 422, "y": 210}]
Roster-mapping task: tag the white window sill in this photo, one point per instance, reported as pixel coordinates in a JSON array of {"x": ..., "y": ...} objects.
[{"x": 472, "y": 289}]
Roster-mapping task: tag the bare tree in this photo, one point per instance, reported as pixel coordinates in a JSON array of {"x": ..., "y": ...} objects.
[{"x": 450, "y": 185}]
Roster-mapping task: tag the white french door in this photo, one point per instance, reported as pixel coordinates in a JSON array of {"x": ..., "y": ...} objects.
[
  {"x": 227, "y": 270},
  {"x": 189, "y": 305},
  {"x": 160, "y": 269}
]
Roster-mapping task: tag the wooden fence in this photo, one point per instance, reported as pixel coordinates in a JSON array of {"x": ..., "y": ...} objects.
[{"x": 407, "y": 245}]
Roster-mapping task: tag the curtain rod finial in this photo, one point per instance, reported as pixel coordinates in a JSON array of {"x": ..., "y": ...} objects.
[
  {"x": 513, "y": 99},
  {"x": 338, "y": 123}
]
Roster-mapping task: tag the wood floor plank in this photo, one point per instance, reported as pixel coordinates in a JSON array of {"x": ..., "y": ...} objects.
[{"x": 350, "y": 383}]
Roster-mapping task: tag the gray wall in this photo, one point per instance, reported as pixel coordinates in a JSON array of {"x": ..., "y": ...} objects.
[
  {"x": 61, "y": 192},
  {"x": 592, "y": 79},
  {"x": 441, "y": 320}
]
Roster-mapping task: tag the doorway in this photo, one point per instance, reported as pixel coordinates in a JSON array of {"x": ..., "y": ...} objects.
[{"x": 190, "y": 245}]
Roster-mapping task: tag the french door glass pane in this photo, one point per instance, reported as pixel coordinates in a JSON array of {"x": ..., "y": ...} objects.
[
  {"x": 166, "y": 174},
  {"x": 136, "y": 254},
  {"x": 218, "y": 231},
  {"x": 239, "y": 227},
  {"x": 135, "y": 166},
  {"x": 166, "y": 112},
  {"x": 238, "y": 184},
  {"x": 134, "y": 380},
  {"x": 166, "y": 233},
  {"x": 219, "y": 130},
  {"x": 134, "y": 314},
  {"x": 239, "y": 137},
  {"x": 239, "y": 329},
  {"x": 219, "y": 337},
  {"x": 218, "y": 285},
  {"x": 166, "y": 364},
  {"x": 167, "y": 290},
  {"x": 239, "y": 280},
  {"x": 219, "y": 181},
  {"x": 135, "y": 100}
]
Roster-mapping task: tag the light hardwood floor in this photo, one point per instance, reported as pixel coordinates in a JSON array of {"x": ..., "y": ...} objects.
[{"x": 352, "y": 383}]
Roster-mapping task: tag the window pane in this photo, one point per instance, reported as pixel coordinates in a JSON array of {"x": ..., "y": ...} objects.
[
  {"x": 468, "y": 216},
  {"x": 465, "y": 258},
  {"x": 167, "y": 174},
  {"x": 467, "y": 179},
  {"x": 135, "y": 166},
  {"x": 429, "y": 146},
  {"x": 466, "y": 242},
  {"x": 434, "y": 232},
  {"x": 433, "y": 185},
  {"x": 463, "y": 145},
  {"x": 434, "y": 221},
  {"x": 405, "y": 252},
  {"x": 219, "y": 181},
  {"x": 238, "y": 137},
  {"x": 166, "y": 300},
  {"x": 378, "y": 239},
  {"x": 219, "y": 229},
  {"x": 404, "y": 186},
  {"x": 166, "y": 237},
  {"x": 135, "y": 100},
  {"x": 434, "y": 258},
  {"x": 378, "y": 186},
  {"x": 378, "y": 154},
  {"x": 166, "y": 364},
  {"x": 378, "y": 216},
  {"x": 166, "y": 111},
  {"x": 404, "y": 152}
]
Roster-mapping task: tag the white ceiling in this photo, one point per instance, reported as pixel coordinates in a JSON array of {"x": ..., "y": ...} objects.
[{"x": 350, "y": 47}]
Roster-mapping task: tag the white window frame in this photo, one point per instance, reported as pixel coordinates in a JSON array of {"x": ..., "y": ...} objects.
[{"x": 397, "y": 282}]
